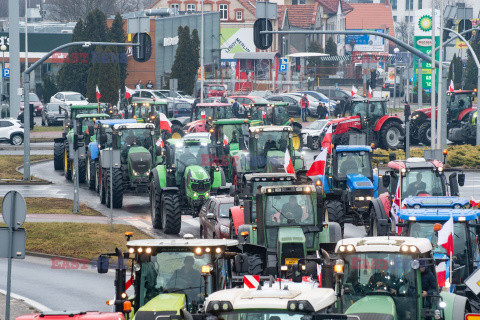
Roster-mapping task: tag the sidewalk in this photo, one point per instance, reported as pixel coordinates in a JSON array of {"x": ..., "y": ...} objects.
[
  {"x": 17, "y": 308},
  {"x": 46, "y": 135}
]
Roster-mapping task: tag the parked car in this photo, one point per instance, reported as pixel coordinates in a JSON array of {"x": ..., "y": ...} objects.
[
  {"x": 292, "y": 100},
  {"x": 246, "y": 100},
  {"x": 147, "y": 95},
  {"x": 175, "y": 95},
  {"x": 262, "y": 94},
  {"x": 336, "y": 94},
  {"x": 37, "y": 104},
  {"x": 312, "y": 134},
  {"x": 179, "y": 108},
  {"x": 53, "y": 114},
  {"x": 214, "y": 217},
  {"x": 330, "y": 104},
  {"x": 11, "y": 130},
  {"x": 70, "y": 98},
  {"x": 212, "y": 90}
]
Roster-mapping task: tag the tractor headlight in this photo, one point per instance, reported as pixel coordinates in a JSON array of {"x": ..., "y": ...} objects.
[
  {"x": 216, "y": 306},
  {"x": 442, "y": 304},
  {"x": 135, "y": 173},
  {"x": 359, "y": 198},
  {"x": 462, "y": 219},
  {"x": 195, "y": 194},
  {"x": 457, "y": 206},
  {"x": 207, "y": 195}
]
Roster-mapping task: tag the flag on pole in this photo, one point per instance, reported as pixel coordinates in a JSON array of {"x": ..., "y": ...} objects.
[
  {"x": 225, "y": 140},
  {"x": 160, "y": 143},
  {"x": 396, "y": 206},
  {"x": 165, "y": 124},
  {"x": 370, "y": 92},
  {"x": 327, "y": 140},
  {"x": 318, "y": 165},
  {"x": 441, "y": 270},
  {"x": 288, "y": 164},
  {"x": 128, "y": 92},
  {"x": 97, "y": 92},
  {"x": 354, "y": 90},
  {"x": 445, "y": 236},
  {"x": 474, "y": 203},
  {"x": 451, "y": 87}
]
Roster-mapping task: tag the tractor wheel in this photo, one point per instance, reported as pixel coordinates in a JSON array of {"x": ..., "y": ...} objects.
[
  {"x": 425, "y": 133},
  {"x": 82, "y": 170},
  {"x": 91, "y": 174},
  {"x": 335, "y": 212},
  {"x": 68, "y": 165},
  {"x": 58, "y": 156},
  {"x": 297, "y": 140},
  {"x": 255, "y": 264},
  {"x": 177, "y": 132},
  {"x": 155, "y": 205},
  {"x": 171, "y": 215},
  {"x": 97, "y": 177},
  {"x": 390, "y": 135},
  {"x": 117, "y": 188},
  {"x": 314, "y": 143},
  {"x": 101, "y": 187}
]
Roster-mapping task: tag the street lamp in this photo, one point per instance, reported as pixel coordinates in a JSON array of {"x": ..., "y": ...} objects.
[
  {"x": 396, "y": 51},
  {"x": 3, "y": 48}
]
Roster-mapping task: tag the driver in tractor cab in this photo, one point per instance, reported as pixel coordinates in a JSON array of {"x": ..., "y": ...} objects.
[
  {"x": 348, "y": 166},
  {"x": 415, "y": 187},
  {"x": 130, "y": 140},
  {"x": 187, "y": 279},
  {"x": 290, "y": 210},
  {"x": 147, "y": 140},
  {"x": 270, "y": 144},
  {"x": 383, "y": 281}
]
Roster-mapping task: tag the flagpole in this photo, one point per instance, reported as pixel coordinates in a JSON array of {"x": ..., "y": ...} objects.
[{"x": 451, "y": 252}]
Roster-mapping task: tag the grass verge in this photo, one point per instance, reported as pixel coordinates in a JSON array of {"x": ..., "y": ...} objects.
[
  {"x": 39, "y": 205},
  {"x": 47, "y": 129},
  {"x": 36, "y": 140},
  {"x": 77, "y": 240},
  {"x": 8, "y": 164}
]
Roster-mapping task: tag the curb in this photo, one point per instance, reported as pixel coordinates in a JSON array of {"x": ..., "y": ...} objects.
[
  {"x": 32, "y": 303},
  {"x": 20, "y": 182},
  {"x": 51, "y": 256}
]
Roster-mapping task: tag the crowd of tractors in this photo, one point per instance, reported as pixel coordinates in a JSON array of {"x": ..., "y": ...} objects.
[{"x": 286, "y": 256}]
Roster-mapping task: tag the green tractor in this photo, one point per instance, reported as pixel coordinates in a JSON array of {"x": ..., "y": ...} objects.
[
  {"x": 276, "y": 113},
  {"x": 83, "y": 130},
  {"x": 60, "y": 144},
  {"x": 187, "y": 176},
  {"x": 380, "y": 278},
  {"x": 126, "y": 163}
]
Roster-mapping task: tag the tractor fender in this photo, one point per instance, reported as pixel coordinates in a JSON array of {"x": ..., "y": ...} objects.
[
  {"x": 384, "y": 200},
  {"x": 175, "y": 122},
  {"x": 296, "y": 124},
  {"x": 384, "y": 119},
  {"x": 159, "y": 176},
  {"x": 379, "y": 209},
  {"x": 218, "y": 178},
  {"x": 197, "y": 126},
  {"x": 59, "y": 140},
  {"x": 94, "y": 151},
  {"x": 456, "y": 305},
  {"x": 464, "y": 113},
  {"x": 238, "y": 217}
]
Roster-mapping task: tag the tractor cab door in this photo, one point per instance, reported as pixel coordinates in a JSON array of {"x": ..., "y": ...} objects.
[
  {"x": 376, "y": 110},
  {"x": 360, "y": 109},
  {"x": 456, "y": 104}
]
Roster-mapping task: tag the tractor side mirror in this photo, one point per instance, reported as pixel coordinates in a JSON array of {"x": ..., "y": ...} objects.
[
  {"x": 232, "y": 191},
  {"x": 461, "y": 179},
  {"x": 386, "y": 180},
  {"x": 452, "y": 179},
  {"x": 102, "y": 264}
]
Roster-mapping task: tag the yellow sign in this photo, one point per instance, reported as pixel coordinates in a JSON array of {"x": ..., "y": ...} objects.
[
  {"x": 460, "y": 44},
  {"x": 290, "y": 261}
]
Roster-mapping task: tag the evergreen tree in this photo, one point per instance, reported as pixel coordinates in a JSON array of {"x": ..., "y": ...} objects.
[
  {"x": 471, "y": 70},
  {"x": 96, "y": 26},
  {"x": 331, "y": 49},
  {"x": 195, "y": 64},
  {"x": 450, "y": 69},
  {"x": 458, "y": 72},
  {"x": 49, "y": 88},
  {"x": 183, "y": 57},
  {"x": 315, "y": 62},
  {"x": 117, "y": 34},
  {"x": 109, "y": 77},
  {"x": 92, "y": 79}
]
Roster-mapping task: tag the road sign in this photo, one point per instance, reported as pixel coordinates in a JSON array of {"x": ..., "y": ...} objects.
[
  {"x": 473, "y": 282},
  {"x": 6, "y": 72},
  {"x": 283, "y": 65},
  {"x": 266, "y": 10},
  {"x": 18, "y": 245},
  {"x": 14, "y": 209}
]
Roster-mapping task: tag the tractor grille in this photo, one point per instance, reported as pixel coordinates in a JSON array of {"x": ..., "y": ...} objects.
[
  {"x": 364, "y": 184},
  {"x": 362, "y": 204},
  {"x": 140, "y": 162},
  {"x": 292, "y": 250},
  {"x": 201, "y": 187}
]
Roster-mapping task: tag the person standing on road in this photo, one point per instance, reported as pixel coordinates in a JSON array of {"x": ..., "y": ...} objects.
[
  {"x": 304, "y": 103},
  {"x": 139, "y": 85},
  {"x": 149, "y": 84}
]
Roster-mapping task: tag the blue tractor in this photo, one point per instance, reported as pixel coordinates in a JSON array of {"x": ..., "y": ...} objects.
[
  {"x": 349, "y": 185},
  {"x": 423, "y": 217}
]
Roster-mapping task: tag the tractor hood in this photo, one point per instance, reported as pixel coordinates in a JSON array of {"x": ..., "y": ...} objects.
[
  {"x": 196, "y": 126},
  {"x": 161, "y": 307},
  {"x": 358, "y": 181},
  {"x": 140, "y": 160},
  {"x": 374, "y": 308},
  {"x": 291, "y": 235},
  {"x": 196, "y": 172}
]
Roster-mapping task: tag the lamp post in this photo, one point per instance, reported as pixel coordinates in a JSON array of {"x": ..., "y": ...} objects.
[
  {"x": 202, "y": 58},
  {"x": 3, "y": 48},
  {"x": 396, "y": 51}
]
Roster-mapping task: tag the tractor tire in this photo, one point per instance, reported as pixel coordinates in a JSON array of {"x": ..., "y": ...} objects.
[
  {"x": 58, "y": 156},
  {"x": 255, "y": 264},
  {"x": 101, "y": 187},
  {"x": 390, "y": 136},
  {"x": 314, "y": 143},
  {"x": 335, "y": 212},
  {"x": 82, "y": 170},
  {"x": 117, "y": 188},
  {"x": 68, "y": 165},
  {"x": 177, "y": 132},
  {"x": 155, "y": 206},
  {"x": 425, "y": 134},
  {"x": 297, "y": 139},
  {"x": 91, "y": 174},
  {"x": 171, "y": 215}
]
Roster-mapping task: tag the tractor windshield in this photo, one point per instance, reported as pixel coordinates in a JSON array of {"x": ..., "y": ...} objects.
[
  {"x": 260, "y": 314},
  {"x": 215, "y": 112},
  {"x": 288, "y": 210},
  {"x": 459, "y": 101},
  {"x": 357, "y": 162},
  {"x": 175, "y": 272},
  {"x": 140, "y": 137},
  {"x": 426, "y": 181},
  {"x": 191, "y": 153},
  {"x": 235, "y": 133},
  {"x": 381, "y": 274},
  {"x": 273, "y": 140},
  {"x": 274, "y": 114}
]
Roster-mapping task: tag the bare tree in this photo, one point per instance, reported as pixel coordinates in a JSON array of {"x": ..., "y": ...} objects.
[
  {"x": 404, "y": 31},
  {"x": 72, "y": 10}
]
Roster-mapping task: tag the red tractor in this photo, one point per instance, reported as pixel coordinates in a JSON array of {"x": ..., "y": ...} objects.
[
  {"x": 369, "y": 117},
  {"x": 459, "y": 106}
]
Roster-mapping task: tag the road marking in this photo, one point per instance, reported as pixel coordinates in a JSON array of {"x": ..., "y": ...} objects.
[{"x": 37, "y": 305}]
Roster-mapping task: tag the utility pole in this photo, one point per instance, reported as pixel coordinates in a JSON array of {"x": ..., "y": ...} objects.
[
  {"x": 202, "y": 57},
  {"x": 14, "y": 59},
  {"x": 433, "y": 134},
  {"x": 420, "y": 83},
  {"x": 441, "y": 91}
]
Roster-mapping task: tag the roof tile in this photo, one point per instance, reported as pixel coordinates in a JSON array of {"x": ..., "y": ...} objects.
[{"x": 361, "y": 17}]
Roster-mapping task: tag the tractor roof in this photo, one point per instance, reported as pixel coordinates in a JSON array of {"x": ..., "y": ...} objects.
[
  {"x": 271, "y": 103},
  {"x": 270, "y": 129},
  {"x": 359, "y": 99},
  {"x": 231, "y": 121},
  {"x": 436, "y": 202},
  {"x": 86, "y": 106},
  {"x": 435, "y": 214},
  {"x": 147, "y": 103},
  {"x": 414, "y": 163},
  {"x": 134, "y": 126},
  {"x": 289, "y": 189},
  {"x": 182, "y": 243},
  {"x": 112, "y": 122},
  {"x": 462, "y": 91},
  {"x": 189, "y": 139},
  {"x": 213, "y": 104},
  {"x": 353, "y": 148},
  {"x": 384, "y": 244},
  {"x": 273, "y": 298},
  {"x": 270, "y": 176},
  {"x": 92, "y": 115}
]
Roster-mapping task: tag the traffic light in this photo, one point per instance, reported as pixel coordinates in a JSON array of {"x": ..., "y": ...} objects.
[
  {"x": 143, "y": 52},
  {"x": 449, "y": 25},
  {"x": 465, "y": 24},
  {"x": 262, "y": 41}
]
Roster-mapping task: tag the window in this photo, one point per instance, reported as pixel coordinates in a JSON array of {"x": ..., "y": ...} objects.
[
  {"x": 419, "y": 4},
  {"x": 411, "y": 18},
  {"x": 223, "y": 8},
  {"x": 408, "y": 4},
  {"x": 174, "y": 6},
  {"x": 394, "y": 4},
  {"x": 239, "y": 15},
  {"x": 394, "y": 18},
  {"x": 298, "y": 1},
  {"x": 191, "y": 7}
]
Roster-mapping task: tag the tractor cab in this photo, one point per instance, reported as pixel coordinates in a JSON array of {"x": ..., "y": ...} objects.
[
  {"x": 147, "y": 112},
  {"x": 203, "y": 113},
  {"x": 167, "y": 275},
  {"x": 459, "y": 101},
  {"x": 381, "y": 277},
  {"x": 369, "y": 110},
  {"x": 71, "y": 112}
]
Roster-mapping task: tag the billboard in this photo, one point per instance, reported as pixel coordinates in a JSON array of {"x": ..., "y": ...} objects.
[
  {"x": 235, "y": 40},
  {"x": 424, "y": 44},
  {"x": 365, "y": 42},
  {"x": 422, "y": 23},
  {"x": 459, "y": 43}
]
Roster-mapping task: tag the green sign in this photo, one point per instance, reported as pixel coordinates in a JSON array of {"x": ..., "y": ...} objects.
[
  {"x": 39, "y": 42},
  {"x": 424, "y": 44}
]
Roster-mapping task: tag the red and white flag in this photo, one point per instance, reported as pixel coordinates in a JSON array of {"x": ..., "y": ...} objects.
[
  {"x": 354, "y": 90},
  {"x": 441, "y": 270},
  {"x": 327, "y": 140},
  {"x": 370, "y": 92},
  {"x": 474, "y": 203},
  {"x": 160, "y": 143},
  {"x": 396, "y": 207},
  {"x": 165, "y": 124},
  {"x": 288, "y": 164},
  {"x": 202, "y": 114},
  {"x": 225, "y": 140},
  {"x": 318, "y": 166},
  {"x": 451, "y": 87},
  {"x": 97, "y": 92},
  {"x": 128, "y": 92},
  {"x": 445, "y": 236}
]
